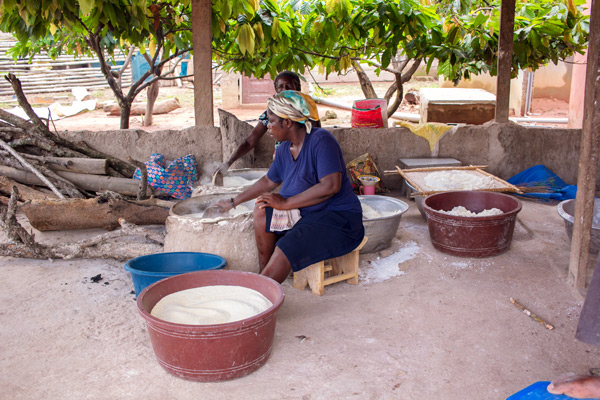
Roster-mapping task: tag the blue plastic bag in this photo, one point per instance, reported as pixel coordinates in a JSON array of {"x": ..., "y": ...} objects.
[{"x": 547, "y": 185}]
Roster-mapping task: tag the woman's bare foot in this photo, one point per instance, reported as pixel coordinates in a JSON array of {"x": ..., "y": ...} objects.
[{"x": 576, "y": 386}]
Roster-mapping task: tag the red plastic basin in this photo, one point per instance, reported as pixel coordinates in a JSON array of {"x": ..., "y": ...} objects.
[
  {"x": 210, "y": 353},
  {"x": 471, "y": 236}
]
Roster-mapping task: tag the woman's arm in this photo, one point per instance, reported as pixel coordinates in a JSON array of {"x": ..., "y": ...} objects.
[
  {"x": 262, "y": 185},
  {"x": 251, "y": 141},
  {"x": 327, "y": 187}
]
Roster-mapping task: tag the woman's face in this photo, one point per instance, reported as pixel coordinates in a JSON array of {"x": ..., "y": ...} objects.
[
  {"x": 285, "y": 83},
  {"x": 276, "y": 127}
]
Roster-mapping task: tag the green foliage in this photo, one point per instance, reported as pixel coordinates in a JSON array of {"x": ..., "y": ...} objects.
[
  {"x": 461, "y": 35},
  {"x": 267, "y": 36}
]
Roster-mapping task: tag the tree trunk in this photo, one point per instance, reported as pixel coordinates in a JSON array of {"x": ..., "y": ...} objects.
[
  {"x": 365, "y": 83},
  {"x": 56, "y": 215},
  {"x": 398, "y": 85},
  {"x": 125, "y": 114},
  {"x": 398, "y": 88},
  {"x": 152, "y": 92},
  {"x": 201, "y": 31}
]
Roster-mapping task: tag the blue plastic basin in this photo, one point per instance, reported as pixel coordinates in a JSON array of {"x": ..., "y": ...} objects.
[{"x": 145, "y": 270}]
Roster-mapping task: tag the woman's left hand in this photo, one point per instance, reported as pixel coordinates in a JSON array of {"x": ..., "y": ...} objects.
[{"x": 273, "y": 200}]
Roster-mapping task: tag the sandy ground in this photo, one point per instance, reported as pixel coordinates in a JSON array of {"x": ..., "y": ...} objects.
[
  {"x": 183, "y": 117},
  {"x": 420, "y": 325}
]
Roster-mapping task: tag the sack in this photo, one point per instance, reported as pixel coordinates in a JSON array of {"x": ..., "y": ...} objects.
[
  {"x": 364, "y": 165},
  {"x": 175, "y": 180},
  {"x": 369, "y": 113}
]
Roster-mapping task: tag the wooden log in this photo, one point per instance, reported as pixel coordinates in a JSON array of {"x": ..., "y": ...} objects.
[
  {"x": 100, "y": 183},
  {"x": 31, "y": 168},
  {"x": 25, "y": 192},
  {"x": 94, "y": 166},
  {"x": 55, "y": 215},
  {"x": 162, "y": 107},
  {"x": 101, "y": 246},
  {"x": 93, "y": 183}
]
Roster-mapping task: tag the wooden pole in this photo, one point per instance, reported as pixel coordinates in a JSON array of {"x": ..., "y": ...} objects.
[
  {"x": 202, "y": 38},
  {"x": 588, "y": 159},
  {"x": 505, "y": 54}
]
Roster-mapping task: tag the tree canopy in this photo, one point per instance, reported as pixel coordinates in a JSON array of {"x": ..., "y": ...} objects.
[{"x": 264, "y": 37}]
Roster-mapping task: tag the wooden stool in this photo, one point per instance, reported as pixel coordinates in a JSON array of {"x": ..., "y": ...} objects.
[{"x": 342, "y": 268}]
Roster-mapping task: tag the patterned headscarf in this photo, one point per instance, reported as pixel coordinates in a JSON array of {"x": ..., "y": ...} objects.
[{"x": 296, "y": 106}]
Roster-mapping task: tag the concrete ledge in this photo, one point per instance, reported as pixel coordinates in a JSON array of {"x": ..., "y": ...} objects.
[{"x": 506, "y": 149}]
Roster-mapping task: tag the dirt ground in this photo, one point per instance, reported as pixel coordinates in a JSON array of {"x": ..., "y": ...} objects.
[
  {"x": 420, "y": 325},
  {"x": 183, "y": 117}
]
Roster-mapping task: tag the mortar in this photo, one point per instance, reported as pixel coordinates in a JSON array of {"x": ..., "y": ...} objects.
[{"x": 231, "y": 237}]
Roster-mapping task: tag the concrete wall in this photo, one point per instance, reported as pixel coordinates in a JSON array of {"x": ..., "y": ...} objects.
[
  {"x": 204, "y": 143},
  {"x": 506, "y": 149}
]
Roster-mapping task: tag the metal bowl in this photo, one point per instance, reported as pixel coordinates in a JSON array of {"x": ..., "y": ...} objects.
[
  {"x": 381, "y": 231},
  {"x": 418, "y": 199},
  {"x": 195, "y": 206},
  {"x": 243, "y": 176},
  {"x": 566, "y": 209}
]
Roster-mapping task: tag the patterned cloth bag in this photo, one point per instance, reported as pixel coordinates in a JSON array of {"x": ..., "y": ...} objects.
[
  {"x": 364, "y": 165},
  {"x": 175, "y": 180}
]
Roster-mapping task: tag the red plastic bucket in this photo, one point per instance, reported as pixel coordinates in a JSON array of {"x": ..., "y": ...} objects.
[
  {"x": 369, "y": 113},
  {"x": 471, "y": 236},
  {"x": 210, "y": 353}
]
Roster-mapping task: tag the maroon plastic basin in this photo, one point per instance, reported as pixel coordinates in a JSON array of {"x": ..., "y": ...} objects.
[
  {"x": 210, "y": 353},
  {"x": 471, "y": 236}
]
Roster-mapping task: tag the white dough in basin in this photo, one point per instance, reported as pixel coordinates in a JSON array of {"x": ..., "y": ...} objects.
[
  {"x": 210, "y": 305},
  {"x": 463, "y": 212}
]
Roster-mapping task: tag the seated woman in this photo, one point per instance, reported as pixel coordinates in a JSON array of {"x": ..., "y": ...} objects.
[{"x": 315, "y": 188}]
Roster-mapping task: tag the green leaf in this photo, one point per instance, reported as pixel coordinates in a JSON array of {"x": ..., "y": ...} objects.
[
  {"x": 86, "y": 6},
  {"x": 480, "y": 20}
]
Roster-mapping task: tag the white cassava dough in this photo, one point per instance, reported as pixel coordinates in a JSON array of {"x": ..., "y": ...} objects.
[
  {"x": 460, "y": 211},
  {"x": 457, "y": 180},
  {"x": 239, "y": 210},
  {"x": 210, "y": 305},
  {"x": 237, "y": 181},
  {"x": 371, "y": 213}
]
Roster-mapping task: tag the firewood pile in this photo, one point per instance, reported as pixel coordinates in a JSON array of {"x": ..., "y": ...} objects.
[{"x": 60, "y": 184}]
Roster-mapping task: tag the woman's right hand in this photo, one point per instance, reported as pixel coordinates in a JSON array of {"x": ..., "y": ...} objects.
[
  {"x": 273, "y": 200},
  {"x": 223, "y": 205}
]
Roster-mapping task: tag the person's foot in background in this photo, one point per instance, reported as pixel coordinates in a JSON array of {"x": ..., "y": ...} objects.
[{"x": 576, "y": 386}]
